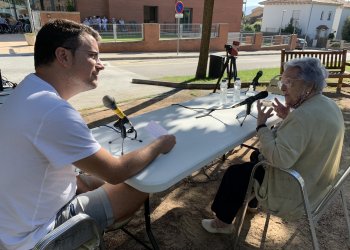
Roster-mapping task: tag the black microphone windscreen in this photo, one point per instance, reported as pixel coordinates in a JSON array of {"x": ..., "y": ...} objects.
[
  {"x": 109, "y": 102},
  {"x": 262, "y": 95}
]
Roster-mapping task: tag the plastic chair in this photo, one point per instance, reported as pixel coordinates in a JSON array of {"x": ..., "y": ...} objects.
[
  {"x": 273, "y": 86},
  {"x": 80, "y": 231},
  {"x": 312, "y": 215}
]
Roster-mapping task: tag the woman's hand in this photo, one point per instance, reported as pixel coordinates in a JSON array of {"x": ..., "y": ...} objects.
[
  {"x": 281, "y": 110},
  {"x": 263, "y": 114}
]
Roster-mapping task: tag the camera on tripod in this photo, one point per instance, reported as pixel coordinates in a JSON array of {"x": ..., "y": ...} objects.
[
  {"x": 232, "y": 49},
  {"x": 228, "y": 47}
]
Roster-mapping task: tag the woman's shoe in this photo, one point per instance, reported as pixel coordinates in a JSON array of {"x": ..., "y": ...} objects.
[
  {"x": 253, "y": 206},
  {"x": 211, "y": 226}
]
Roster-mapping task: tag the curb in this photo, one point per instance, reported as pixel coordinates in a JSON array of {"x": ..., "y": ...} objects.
[{"x": 102, "y": 57}]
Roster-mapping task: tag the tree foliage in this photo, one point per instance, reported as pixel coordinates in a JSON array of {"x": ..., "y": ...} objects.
[
  {"x": 346, "y": 30},
  {"x": 70, "y": 5},
  {"x": 291, "y": 28}
]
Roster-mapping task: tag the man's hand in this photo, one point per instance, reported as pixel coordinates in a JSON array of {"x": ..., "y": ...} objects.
[
  {"x": 281, "y": 110},
  {"x": 167, "y": 142},
  {"x": 263, "y": 114}
]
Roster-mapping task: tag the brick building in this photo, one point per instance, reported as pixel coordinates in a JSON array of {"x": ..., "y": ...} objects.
[
  {"x": 161, "y": 11},
  {"x": 138, "y": 11}
]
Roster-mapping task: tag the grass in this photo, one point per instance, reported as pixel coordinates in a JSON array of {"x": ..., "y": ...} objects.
[{"x": 245, "y": 75}]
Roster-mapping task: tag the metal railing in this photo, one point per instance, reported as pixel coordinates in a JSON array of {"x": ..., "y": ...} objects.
[
  {"x": 267, "y": 41},
  {"x": 170, "y": 31},
  {"x": 120, "y": 32},
  {"x": 285, "y": 39},
  {"x": 246, "y": 38}
]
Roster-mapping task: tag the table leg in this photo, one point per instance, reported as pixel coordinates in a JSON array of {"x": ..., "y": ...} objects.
[{"x": 148, "y": 225}]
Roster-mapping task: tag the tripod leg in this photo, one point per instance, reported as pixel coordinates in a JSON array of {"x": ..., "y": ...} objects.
[
  {"x": 221, "y": 74},
  {"x": 234, "y": 67},
  {"x": 229, "y": 73}
]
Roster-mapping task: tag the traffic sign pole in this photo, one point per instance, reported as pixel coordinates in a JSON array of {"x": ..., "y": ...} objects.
[{"x": 179, "y": 8}]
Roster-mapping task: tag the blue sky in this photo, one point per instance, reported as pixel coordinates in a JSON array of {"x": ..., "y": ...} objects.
[{"x": 253, "y": 2}]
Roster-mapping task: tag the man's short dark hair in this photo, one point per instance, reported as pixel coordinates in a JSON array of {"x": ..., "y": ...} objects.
[{"x": 59, "y": 33}]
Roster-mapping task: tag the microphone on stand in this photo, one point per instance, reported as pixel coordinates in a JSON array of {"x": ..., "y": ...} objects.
[
  {"x": 109, "y": 102},
  {"x": 255, "y": 81},
  {"x": 251, "y": 99}
]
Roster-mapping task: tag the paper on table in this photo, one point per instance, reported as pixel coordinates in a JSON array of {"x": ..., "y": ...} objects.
[{"x": 156, "y": 130}]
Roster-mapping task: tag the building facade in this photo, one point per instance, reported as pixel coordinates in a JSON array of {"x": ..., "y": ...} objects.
[
  {"x": 314, "y": 19},
  {"x": 160, "y": 11}
]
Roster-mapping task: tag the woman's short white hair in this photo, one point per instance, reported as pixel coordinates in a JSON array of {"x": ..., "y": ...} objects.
[{"x": 311, "y": 71}]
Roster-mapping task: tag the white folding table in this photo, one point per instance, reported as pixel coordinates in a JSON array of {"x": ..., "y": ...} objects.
[{"x": 199, "y": 140}]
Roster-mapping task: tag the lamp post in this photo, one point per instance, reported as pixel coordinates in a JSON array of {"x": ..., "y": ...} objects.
[
  {"x": 307, "y": 27},
  {"x": 30, "y": 16},
  {"x": 283, "y": 11}
]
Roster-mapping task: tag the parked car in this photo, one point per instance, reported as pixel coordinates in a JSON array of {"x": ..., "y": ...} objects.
[{"x": 300, "y": 43}]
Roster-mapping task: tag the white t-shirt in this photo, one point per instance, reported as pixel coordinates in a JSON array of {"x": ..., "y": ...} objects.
[{"x": 41, "y": 136}]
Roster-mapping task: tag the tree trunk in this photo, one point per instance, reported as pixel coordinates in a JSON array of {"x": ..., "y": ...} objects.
[{"x": 205, "y": 41}]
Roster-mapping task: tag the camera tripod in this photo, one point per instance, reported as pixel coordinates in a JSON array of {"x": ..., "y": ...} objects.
[{"x": 230, "y": 67}]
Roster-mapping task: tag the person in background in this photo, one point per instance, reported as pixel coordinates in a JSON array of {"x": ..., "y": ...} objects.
[
  {"x": 104, "y": 23},
  {"x": 86, "y": 21},
  {"x": 44, "y": 139},
  {"x": 309, "y": 139}
]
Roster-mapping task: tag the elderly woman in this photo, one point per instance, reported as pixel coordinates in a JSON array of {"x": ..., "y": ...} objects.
[{"x": 309, "y": 139}]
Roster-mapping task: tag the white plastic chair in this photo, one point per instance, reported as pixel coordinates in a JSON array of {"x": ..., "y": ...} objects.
[
  {"x": 312, "y": 215},
  {"x": 80, "y": 231}
]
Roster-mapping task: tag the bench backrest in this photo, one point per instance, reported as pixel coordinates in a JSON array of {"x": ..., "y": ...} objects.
[{"x": 331, "y": 59}]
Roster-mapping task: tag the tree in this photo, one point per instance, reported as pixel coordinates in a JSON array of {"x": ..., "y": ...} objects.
[
  {"x": 70, "y": 5},
  {"x": 346, "y": 30},
  {"x": 205, "y": 41}
]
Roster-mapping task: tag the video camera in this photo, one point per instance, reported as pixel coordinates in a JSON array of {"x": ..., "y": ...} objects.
[
  {"x": 232, "y": 49},
  {"x": 228, "y": 47}
]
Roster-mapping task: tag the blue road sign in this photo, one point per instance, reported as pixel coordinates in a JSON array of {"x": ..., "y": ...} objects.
[{"x": 179, "y": 7}]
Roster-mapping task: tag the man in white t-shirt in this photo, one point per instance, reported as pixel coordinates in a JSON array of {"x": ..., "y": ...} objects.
[{"x": 43, "y": 139}]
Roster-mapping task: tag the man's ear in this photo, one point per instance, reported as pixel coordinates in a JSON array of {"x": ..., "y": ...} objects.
[{"x": 63, "y": 56}]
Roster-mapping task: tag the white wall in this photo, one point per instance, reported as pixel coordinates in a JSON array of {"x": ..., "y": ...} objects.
[
  {"x": 344, "y": 15},
  {"x": 309, "y": 17}
]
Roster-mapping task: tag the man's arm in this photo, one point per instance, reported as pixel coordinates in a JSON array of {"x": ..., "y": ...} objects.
[{"x": 115, "y": 170}]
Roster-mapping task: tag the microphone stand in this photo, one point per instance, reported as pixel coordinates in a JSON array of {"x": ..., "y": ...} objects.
[
  {"x": 120, "y": 125},
  {"x": 247, "y": 112}
]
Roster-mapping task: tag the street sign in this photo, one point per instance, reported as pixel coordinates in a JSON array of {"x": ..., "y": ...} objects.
[
  {"x": 177, "y": 15},
  {"x": 179, "y": 7}
]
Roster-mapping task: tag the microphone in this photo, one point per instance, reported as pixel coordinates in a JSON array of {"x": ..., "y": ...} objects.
[
  {"x": 249, "y": 101},
  {"x": 109, "y": 102},
  {"x": 255, "y": 81}
]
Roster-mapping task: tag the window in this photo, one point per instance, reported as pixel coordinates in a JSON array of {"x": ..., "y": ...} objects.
[
  {"x": 329, "y": 15},
  {"x": 322, "y": 13},
  {"x": 295, "y": 17},
  {"x": 150, "y": 14},
  {"x": 296, "y": 14}
]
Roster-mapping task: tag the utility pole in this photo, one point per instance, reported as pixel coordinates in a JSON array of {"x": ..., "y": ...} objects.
[
  {"x": 307, "y": 27},
  {"x": 30, "y": 16}
]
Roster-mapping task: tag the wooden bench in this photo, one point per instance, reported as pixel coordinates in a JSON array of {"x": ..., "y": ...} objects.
[{"x": 333, "y": 60}]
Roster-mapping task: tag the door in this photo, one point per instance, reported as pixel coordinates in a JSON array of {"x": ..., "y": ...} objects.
[{"x": 150, "y": 14}]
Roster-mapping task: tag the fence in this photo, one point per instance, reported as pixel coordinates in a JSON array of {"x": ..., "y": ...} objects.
[
  {"x": 267, "y": 41},
  {"x": 285, "y": 39},
  {"x": 120, "y": 32},
  {"x": 243, "y": 38},
  {"x": 170, "y": 31}
]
